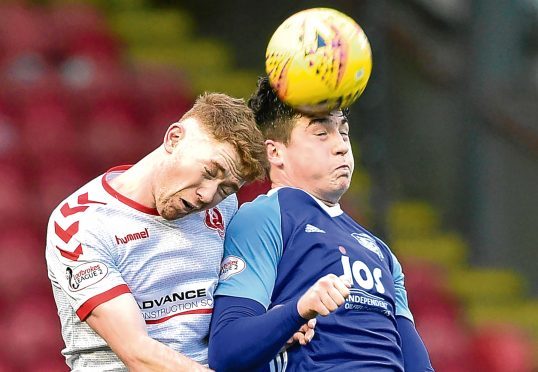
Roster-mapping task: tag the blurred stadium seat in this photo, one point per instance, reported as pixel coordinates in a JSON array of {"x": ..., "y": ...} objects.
[
  {"x": 448, "y": 342},
  {"x": 10, "y": 136},
  {"x": 112, "y": 137},
  {"x": 502, "y": 348},
  {"x": 23, "y": 30},
  {"x": 33, "y": 329},
  {"x": 81, "y": 30},
  {"x": 22, "y": 272},
  {"x": 14, "y": 191},
  {"x": 52, "y": 124},
  {"x": 428, "y": 292}
]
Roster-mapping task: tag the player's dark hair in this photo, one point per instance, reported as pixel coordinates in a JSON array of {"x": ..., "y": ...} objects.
[{"x": 274, "y": 118}]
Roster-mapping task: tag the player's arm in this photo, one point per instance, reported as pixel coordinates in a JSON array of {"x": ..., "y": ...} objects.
[
  {"x": 120, "y": 323},
  {"x": 415, "y": 355},
  {"x": 232, "y": 346}
]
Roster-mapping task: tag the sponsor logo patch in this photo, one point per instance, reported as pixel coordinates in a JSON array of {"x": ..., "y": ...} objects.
[
  {"x": 230, "y": 266},
  {"x": 183, "y": 300},
  {"x": 363, "y": 301},
  {"x": 85, "y": 275}
]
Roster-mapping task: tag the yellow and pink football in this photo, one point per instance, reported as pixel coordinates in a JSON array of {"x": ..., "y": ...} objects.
[{"x": 318, "y": 60}]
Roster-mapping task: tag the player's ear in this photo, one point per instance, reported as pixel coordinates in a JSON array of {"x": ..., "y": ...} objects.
[
  {"x": 173, "y": 135},
  {"x": 274, "y": 152}
]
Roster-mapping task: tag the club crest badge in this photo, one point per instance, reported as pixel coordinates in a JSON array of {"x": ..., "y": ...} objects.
[{"x": 369, "y": 243}]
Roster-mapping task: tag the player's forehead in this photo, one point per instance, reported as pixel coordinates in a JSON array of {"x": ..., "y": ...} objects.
[
  {"x": 226, "y": 159},
  {"x": 336, "y": 117}
]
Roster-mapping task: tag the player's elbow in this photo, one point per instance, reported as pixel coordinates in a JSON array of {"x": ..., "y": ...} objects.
[{"x": 218, "y": 359}]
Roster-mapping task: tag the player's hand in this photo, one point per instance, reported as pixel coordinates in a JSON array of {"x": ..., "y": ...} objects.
[
  {"x": 324, "y": 297},
  {"x": 303, "y": 336}
]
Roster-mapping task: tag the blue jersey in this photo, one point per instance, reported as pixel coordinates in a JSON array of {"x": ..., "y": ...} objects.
[{"x": 279, "y": 245}]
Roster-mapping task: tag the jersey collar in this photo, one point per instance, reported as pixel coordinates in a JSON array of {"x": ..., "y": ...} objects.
[
  {"x": 113, "y": 172},
  {"x": 333, "y": 211}
]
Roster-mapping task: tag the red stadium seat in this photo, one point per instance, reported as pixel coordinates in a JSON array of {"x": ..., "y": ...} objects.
[
  {"x": 162, "y": 90},
  {"x": 48, "y": 131},
  {"x": 22, "y": 268},
  {"x": 164, "y": 97},
  {"x": 502, "y": 348},
  {"x": 5, "y": 364},
  {"x": 448, "y": 344},
  {"x": 32, "y": 327},
  {"x": 99, "y": 86},
  {"x": 14, "y": 191},
  {"x": 23, "y": 30},
  {"x": 428, "y": 293},
  {"x": 10, "y": 137},
  {"x": 79, "y": 29},
  {"x": 29, "y": 80},
  {"x": 112, "y": 138}
]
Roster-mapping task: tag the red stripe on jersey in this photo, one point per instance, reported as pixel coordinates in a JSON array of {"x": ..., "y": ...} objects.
[
  {"x": 71, "y": 255},
  {"x": 68, "y": 211},
  {"x": 87, "y": 307},
  {"x": 67, "y": 234},
  {"x": 85, "y": 199},
  {"x": 122, "y": 198},
  {"x": 200, "y": 311}
]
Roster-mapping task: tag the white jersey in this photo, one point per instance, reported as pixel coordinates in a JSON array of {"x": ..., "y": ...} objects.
[{"x": 101, "y": 244}]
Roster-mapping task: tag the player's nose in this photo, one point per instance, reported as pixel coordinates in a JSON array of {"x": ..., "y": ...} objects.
[
  {"x": 340, "y": 146},
  {"x": 207, "y": 193}
]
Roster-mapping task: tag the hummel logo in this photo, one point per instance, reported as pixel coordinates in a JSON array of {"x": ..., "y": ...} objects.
[
  {"x": 135, "y": 236},
  {"x": 311, "y": 228}
]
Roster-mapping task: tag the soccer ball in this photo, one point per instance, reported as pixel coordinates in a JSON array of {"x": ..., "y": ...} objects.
[{"x": 318, "y": 60}]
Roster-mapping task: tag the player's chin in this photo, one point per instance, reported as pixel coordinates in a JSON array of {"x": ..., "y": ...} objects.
[
  {"x": 170, "y": 213},
  {"x": 342, "y": 182},
  {"x": 341, "y": 187}
]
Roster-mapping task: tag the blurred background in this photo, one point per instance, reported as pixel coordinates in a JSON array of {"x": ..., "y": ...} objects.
[{"x": 445, "y": 139}]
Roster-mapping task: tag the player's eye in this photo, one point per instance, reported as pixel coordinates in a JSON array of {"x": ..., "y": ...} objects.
[
  {"x": 208, "y": 172},
  {"x": 224, "y": 192},
  {"x": 320, "y": 134}
]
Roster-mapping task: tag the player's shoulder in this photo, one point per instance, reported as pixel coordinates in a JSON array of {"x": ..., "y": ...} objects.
[
  {"x": 264, "y": 208},
  {"x": 86, "y": 206},
  {"x": 228, "y": 206},
  {"x": 291, "y": 197}
]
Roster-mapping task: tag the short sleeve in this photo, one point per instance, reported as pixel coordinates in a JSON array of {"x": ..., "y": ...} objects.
[
  {"x": 80, "y": 262},
  {"x": 400, "y": 293},
  {"x": 252, "y": 251}
]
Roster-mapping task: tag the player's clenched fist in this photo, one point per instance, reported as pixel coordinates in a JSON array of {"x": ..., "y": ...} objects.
[{"x": 324, "y": 296}]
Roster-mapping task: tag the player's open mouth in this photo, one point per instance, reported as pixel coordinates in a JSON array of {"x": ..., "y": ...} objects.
[{"x": 188, "y": 206}]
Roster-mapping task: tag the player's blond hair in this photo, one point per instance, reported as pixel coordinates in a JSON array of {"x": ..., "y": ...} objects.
[{"x": 229, "y": 119}]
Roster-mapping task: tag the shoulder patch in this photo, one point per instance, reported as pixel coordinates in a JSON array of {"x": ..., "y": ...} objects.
[
  {"x": 85, "y": 275},
  {"x": 230, "y": 266}
]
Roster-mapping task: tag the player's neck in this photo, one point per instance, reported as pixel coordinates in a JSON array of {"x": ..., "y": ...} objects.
[{"x": 135, "y": 183}]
